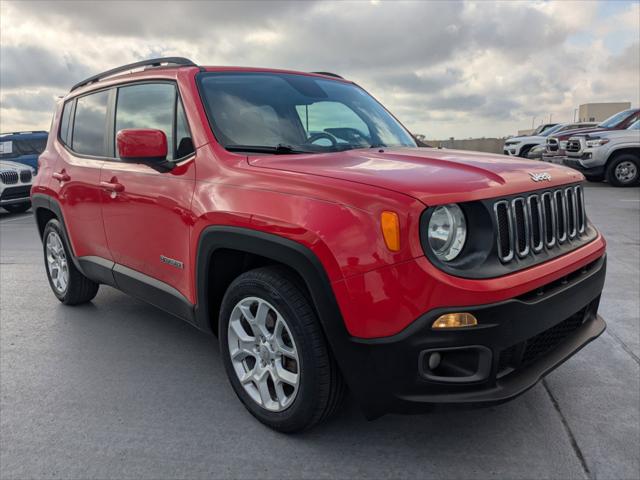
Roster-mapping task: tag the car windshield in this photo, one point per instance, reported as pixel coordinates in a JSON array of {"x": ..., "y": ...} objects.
[
  {"x": 614, "y": 120},
  {"x": 289, "y": 113},
  {"x": 551, "y": 130},
  {"x": 18, "y": 148}
]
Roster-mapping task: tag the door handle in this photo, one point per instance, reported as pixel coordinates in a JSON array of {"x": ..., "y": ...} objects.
[
  {"x": 112, "y": 187},
  {"x": 61, "y": 176}
]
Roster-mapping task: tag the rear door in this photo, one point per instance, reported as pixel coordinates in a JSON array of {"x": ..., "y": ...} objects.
[
  {"x": 148, "y": 221},
  {"x": 83, "y": 146}
]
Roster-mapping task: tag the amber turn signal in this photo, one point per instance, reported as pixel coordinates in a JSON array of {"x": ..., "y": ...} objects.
[
  {"x": 391, "y": 230},
  {"x": 455, "y": 320}
]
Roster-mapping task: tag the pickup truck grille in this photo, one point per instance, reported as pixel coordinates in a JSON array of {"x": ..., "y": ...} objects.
[
  {"x": 552, "y": 144},
  {"x": 531, "y": 223},
  {"x": 9, "y": 177},
  {"x": 573, "y": 146}
]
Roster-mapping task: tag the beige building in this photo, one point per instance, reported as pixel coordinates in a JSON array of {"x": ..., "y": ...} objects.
[{"x": 597, "y": 112}]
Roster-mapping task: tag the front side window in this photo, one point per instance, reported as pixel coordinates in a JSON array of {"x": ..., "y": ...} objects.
[
  {"x": 301, "y": 112},
  {"x": 147, "y": 106},
  {"x": 90, "y": 124},
  {"x": 157, "y": 106}
]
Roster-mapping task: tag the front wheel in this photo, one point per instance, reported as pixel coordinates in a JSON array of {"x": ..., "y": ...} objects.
[
  {"x": 624, "y": 170},
  {"x": 275, "y": 353},
  {"x": 69, "y": 285}
]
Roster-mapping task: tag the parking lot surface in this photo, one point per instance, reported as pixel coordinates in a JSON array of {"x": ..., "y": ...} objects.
[{"x": 119, "y": 389}]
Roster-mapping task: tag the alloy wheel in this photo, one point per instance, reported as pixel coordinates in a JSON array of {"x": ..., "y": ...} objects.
[
  {"x": 626, "y": 171},
  {"x": 57, "y": 264},
  {"x": 264, "y": 354}
]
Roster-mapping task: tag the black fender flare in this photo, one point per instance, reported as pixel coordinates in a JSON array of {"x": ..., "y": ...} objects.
[{"x": 350, "y": 355}]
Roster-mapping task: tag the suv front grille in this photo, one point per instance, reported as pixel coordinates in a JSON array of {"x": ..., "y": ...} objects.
[
  {"x": 526, "y": 224},
  {"x": 573, "y": 146},
  {"x": 9, "y": 177},
  {"x": 25, "y": 176}
]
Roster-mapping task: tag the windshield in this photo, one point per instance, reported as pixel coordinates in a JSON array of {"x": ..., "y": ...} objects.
[
  {"x": 614, "y": 120},
  {"x": 296, "y": 113},
  {"x": 551, "y": 130},
  {"x": 18, "y": 148}
]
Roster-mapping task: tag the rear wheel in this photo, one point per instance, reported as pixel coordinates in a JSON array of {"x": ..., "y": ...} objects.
[
  {"x": 17, "y": 207},
  {"x": 69, "y": 285},
  {"x": 624, "y": 170},
  {"x": 275, "y": 353}
]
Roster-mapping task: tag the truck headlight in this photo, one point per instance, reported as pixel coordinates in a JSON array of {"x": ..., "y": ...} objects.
[
  {"x": 447, "y": 232},
  {"x": 596, "y": 142}
]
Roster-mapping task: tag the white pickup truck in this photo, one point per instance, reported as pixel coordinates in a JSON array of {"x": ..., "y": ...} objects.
[{"x": 612, "y": 155}]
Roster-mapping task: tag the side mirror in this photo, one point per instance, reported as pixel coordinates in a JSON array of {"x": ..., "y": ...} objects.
[{"x": 144, "y": 145}]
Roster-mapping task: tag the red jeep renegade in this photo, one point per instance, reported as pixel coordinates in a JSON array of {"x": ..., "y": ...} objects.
[{"x": 293, "y": 216}]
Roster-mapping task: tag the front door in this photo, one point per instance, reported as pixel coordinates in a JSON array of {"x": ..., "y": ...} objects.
[{"x": 146, "y": 213}]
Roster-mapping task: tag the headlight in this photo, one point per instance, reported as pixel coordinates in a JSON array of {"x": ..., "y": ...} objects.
[
  {"x": 510, "y": 144},
  {"x": 563, "y": 144},
  {"x": 447, "y": 232},
  {"x": 596, "y": 142}
]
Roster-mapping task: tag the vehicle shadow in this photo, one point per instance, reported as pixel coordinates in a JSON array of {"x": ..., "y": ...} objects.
[{"x": 132, "y": 370}]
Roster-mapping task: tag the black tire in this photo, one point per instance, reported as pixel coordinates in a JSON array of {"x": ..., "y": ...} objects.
[
  {"x": 17, "y": 207},
  {"x": 525, "y": 151},
  {"x": 594, "y": 178},
  {"x": 321, "y": 387},
  {"x": 79, "y": 288},
  {"x": 613, "y": 164}
]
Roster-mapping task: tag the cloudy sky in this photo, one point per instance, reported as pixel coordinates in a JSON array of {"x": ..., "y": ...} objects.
[{"x": 444, "y": 68}]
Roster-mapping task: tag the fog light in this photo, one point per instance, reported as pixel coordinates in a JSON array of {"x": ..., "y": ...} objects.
[
  {"x": 434, "y": 360},
  {"x": 455, "y": 320}
]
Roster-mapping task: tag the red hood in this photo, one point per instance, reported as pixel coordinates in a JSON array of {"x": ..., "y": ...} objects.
[{"x": 431, "y": 175}]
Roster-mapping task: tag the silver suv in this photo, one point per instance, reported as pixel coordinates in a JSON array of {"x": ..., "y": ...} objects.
[{"x": 611, "y": 155}]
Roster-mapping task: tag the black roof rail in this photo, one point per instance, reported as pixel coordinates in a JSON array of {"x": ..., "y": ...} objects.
[
  {"x": 152, "y": 62},
  {"x": 328, "y": 74}
]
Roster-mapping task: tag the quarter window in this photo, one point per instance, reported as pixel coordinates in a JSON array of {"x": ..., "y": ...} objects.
[
  {"x": 64, "y": 122},
  {"x": 89, "y": 130},
  {"x": 184, "y": 144}
]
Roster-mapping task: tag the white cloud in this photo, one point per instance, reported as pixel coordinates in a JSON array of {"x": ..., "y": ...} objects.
[{"x": 445, "y": 68}]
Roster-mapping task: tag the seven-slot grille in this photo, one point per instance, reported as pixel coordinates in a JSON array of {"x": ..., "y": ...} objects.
[
  {"x": 573, "y": 146},
  {"x": 25, "y": 176},
  {"x": 528, "y": 224},
  {"x": 9, "y": 177}
]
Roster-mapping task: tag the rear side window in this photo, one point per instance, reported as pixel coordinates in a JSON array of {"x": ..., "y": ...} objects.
[
  {"x": 65, "y": 132},
  {"x": 147, "y": 106},
  {"x": 90, "y": 124}
]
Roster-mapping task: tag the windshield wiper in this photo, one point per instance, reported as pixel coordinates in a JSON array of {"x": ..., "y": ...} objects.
[{"x": 280, "y": 149}]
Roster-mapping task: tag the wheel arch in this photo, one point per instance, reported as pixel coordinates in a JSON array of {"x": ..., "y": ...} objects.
[{"x": 623, "y": 150}]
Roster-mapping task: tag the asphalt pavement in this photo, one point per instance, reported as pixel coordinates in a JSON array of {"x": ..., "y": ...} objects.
[{"x": 119, "y": 389}]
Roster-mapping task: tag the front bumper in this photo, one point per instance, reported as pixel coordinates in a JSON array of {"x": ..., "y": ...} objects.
[
  {"x": 15, "y": 194},
  {"x": 516, "y": 343},
  {"x": 577, "y": 164}
]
